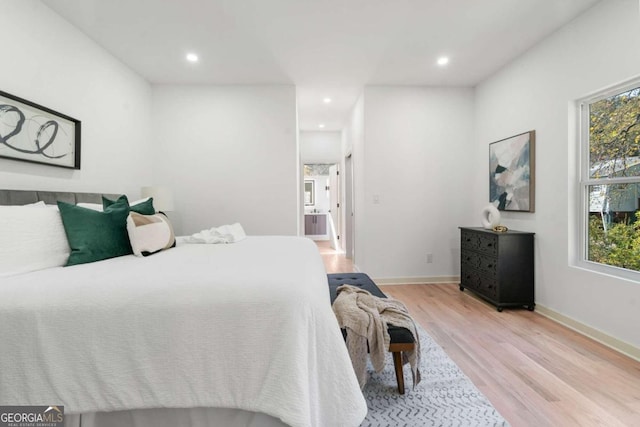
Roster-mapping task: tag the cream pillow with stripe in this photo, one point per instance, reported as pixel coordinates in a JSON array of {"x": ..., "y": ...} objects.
[{"x": 149, "y": 234}]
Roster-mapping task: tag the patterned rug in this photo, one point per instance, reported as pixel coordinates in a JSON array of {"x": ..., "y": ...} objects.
[{"x": 444, "y": 397}]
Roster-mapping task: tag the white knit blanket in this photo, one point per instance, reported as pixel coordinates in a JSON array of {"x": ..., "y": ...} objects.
[
  {"x": 366, "y": 319},
  {"x": 245, "y": 326},
  {"x": 223, "y": 234}
]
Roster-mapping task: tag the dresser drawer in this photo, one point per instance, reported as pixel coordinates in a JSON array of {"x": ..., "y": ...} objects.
[
  {"x": 470, "y": 240},
  {"x": 473, "y": 279},
  {"x": 481, "y": 242},
  {"x": 470, "y": 259},
  {"x": 469, "y": 278},
  {"x": 485, "y": 264},
  {"x": 488, "y": 265},
  {"x": 488, "y": 244},
  {"x": 489, "y": 287}
]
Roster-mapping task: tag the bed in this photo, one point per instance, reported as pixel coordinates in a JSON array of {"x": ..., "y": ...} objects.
[{"x": 199, "y": 335}]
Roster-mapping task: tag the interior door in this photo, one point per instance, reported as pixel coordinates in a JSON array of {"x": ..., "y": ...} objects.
[{"x": 334, "y": 206}]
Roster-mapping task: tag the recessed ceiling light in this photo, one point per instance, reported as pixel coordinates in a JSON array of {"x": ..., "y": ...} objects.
[
  {"x": 443, "y": 60},
  {"x": 321, "y": 125},
  {"x": 192, "y": 57},
  {"x": 327, "y": 100}
]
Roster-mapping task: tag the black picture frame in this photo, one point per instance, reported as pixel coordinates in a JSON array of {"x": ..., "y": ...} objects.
[{"x": 32, "y": 133}]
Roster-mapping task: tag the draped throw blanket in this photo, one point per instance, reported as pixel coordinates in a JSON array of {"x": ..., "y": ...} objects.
[
  {"x": 224, "y": 234},
  {"x": 366, "y": 319}
]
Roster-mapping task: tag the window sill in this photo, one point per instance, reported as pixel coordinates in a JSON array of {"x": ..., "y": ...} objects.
[{"x": 609, "y": 271}]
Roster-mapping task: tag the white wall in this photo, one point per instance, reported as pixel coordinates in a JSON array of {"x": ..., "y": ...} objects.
[
  {"x": 416, "y": 159},
  {"x": 48, "y": 61},
  {"x": 320, "y": 147},
  {"x": 230, "y": 155},
  {"x": 538, "y": 91}
]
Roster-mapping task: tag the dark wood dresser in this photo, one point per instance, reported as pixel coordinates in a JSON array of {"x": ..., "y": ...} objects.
[{"x": 498, "y": 266}]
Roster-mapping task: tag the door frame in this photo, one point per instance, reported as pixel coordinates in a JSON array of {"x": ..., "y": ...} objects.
[{"x": 349, "y": 218}]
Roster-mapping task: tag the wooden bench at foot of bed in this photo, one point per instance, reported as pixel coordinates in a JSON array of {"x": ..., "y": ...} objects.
[{"x": 401, "y": 338}]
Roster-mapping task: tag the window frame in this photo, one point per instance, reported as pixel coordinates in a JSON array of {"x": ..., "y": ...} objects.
[{"x": 585, "y": 181}]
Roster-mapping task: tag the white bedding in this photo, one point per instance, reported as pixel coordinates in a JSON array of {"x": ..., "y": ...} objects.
[{"x": 246, "y": 325}]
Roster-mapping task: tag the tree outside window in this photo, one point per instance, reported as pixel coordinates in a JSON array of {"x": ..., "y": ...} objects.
[{"x": 611, "y": 178}]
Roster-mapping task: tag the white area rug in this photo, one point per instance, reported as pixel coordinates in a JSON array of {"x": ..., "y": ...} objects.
[{"x": 444, "y": 397}]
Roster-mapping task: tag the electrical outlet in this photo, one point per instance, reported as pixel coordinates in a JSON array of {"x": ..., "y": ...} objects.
[{"x": 429, "y": 258}]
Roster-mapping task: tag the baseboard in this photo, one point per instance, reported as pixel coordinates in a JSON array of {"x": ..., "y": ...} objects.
[
  {"x": 416, "y": 280},
  {"x": 596, "y": 335}
]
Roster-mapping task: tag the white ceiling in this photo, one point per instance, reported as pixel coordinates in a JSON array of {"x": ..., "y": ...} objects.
[{"x": 325, "y": 47}]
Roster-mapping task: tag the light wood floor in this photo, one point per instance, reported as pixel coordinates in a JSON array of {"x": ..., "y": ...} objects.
[
  {"x": 334, "y": 261},
  {"x": 533, "y": 370}
]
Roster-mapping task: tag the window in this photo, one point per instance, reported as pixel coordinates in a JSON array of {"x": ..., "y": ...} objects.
[{"x": 610, "y": 180}]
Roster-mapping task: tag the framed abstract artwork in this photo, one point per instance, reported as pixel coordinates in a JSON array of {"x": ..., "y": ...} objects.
[
  {"x": 512, "y": 173},
  {"x": 32, "y": 133}
]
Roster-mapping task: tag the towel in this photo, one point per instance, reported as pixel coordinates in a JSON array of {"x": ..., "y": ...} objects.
[{"x": 224, "y": 234}]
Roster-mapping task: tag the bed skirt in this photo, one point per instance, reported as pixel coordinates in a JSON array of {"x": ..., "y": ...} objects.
[{"x": 169, "y": 417}]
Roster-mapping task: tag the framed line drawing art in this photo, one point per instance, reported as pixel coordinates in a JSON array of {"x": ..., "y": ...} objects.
[
  {"x": 512, "y": 173},
  {"x": 32, "y": 133}
]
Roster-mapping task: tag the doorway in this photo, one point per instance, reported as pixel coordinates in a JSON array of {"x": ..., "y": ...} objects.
[{"x": 322, "y": 210}]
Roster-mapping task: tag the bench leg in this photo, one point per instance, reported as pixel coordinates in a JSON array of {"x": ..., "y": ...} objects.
[{"x": 397, "y": 363}]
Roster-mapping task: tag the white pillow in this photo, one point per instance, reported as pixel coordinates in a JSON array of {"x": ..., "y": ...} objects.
[{"x": 32, "y": 239}]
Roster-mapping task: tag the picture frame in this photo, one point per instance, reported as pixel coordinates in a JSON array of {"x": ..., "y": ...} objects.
[
  {"x": 512, "y": 173},
  {"x": 33, "y": 133},
  {"x": 309, "y": 192}
]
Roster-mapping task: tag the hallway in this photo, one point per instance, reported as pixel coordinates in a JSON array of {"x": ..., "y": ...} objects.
[{"x": 334, "y": 261}]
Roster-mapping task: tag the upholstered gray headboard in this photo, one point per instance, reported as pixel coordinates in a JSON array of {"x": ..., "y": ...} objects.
[{"x": 23, "y": 197}]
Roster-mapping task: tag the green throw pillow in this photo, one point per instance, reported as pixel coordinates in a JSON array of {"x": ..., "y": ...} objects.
[
  {"x": 94, "y": 235},
  {"x": 143, "y": 208}
]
